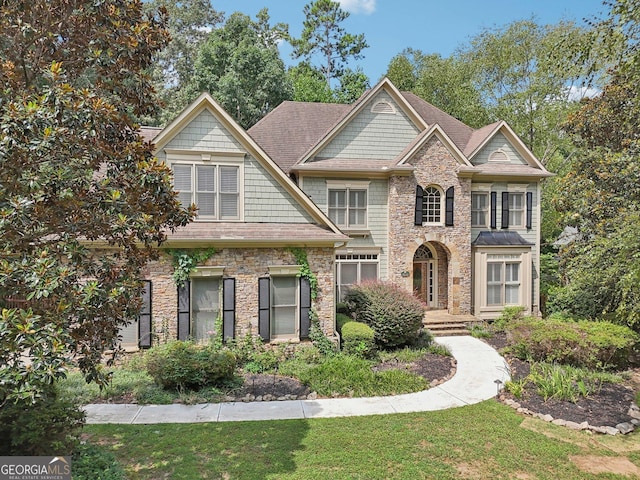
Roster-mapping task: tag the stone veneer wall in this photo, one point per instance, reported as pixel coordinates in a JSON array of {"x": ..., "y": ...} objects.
[
  {"x": 434, "y": 165},
  {"x": 246, "y": 265}
]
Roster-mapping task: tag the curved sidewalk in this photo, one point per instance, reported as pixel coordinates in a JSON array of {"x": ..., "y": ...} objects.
[{"x": 478, "y": 368}]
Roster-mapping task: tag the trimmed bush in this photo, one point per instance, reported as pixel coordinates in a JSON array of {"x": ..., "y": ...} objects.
[
  {"x": 51, "y": 426},
  {"x": 179, "y": 365},
  {"x": 582, "y": 344},
  {"x": 394, "y": 314},
  {"x": 341, "y": 319},
  {"x": 358, "y": 339}
]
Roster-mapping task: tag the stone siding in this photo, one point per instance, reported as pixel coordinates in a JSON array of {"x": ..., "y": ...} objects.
[
  {"x": 246, "y": 265},
  {"x": 434, "y": 165}
]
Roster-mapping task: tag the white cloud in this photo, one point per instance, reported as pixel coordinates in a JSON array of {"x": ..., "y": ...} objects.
[
  {"x": 576, "y": 93},
  {"x": 359, "y": 6}
]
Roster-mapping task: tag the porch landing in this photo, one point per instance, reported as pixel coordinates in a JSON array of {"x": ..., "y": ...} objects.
[{"x": 441, "y": 323}]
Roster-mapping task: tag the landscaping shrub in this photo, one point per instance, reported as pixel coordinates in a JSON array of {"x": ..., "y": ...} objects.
[
  {"x": 583, "y": 344},
  {"x": 341, "y": 319},
  {"x": 341, "y": 307},
  {"x": 358, "y": 339},
  {"x": 178, "y": 365},
  {"x": 49, "y": 427},
  {"x": 91, "y": 462},
  {"x": 507, "y": 315},
  {"x": 394, "y": 314}
]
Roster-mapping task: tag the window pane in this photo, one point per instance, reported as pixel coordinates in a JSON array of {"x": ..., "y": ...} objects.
[
  {"x": 512, "y": 294},
  {"x": 206, "y": 203},
  {"x": 284, "y": 305},
  {"x": 229, "y": 205},
  {"x": 182, "y": 178},
  {"x": 512, "y": 272},
  {"x": 206, "y": 178},
  {"x": 494, "y": 294},
  {"x": 357, "y": 217},
  {"x": 494, "y": 272},
  {"x": 337, "y": 198},
  {"x": 349, "y": 274},
  {"x": 184, "y": 198},
  {"x": 368, "y": 271},
  {"x": 205, "y": 305},
  {"x": 229, "y": 179},
  {"x": 358, "y": 198}
]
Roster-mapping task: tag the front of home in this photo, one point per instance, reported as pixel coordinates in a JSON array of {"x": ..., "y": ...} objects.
[{"x": 389, "y": 188}]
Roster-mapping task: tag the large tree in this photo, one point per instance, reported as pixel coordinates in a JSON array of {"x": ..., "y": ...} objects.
[
  {"x": 189, "y": 23},
  {"x": 446, "y": 83},
  {"x": 324, "y": 37},
  {"x": 240, "y": 66},
  {"x": 601, "y": 195},
  {"x": 83, "y": 202}
]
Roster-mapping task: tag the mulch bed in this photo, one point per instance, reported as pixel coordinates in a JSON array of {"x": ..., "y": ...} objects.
[
  {"x": 607, "y": 407},
  {"x": 434, "y": 368}
]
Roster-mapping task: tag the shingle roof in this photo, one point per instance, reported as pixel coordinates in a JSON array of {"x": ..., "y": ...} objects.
[
  {"x": 454, "y": 128},
  {"x": 262, "y": 233},
  {"x": 149, "y": 133},
  {"x": 510, "y": 170},
  {"x": 289, "y": 130},
  {"x": 478, "y": 136},
  {"x": 500, "y": 239}
]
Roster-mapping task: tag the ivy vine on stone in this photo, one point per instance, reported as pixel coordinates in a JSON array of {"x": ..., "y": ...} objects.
[{"x": 185, "y": 261}]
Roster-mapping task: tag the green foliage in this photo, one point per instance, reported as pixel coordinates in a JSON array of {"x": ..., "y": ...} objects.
[
  {"x": 73, "y": 170},
  {"x": 584, "y": 344},
  {"x": 395, "y": 315},
  {"x": 341, "y": 319},
  {"x": 51, "y": 426},
  {"x": 300, "y": 255},
  {"x": 189, "y": 23},
  {"x": 424, "y": 339},
  {"x": 323, "y": 35},
  {"x": 516, "y": 387},
  {"x": 563, "y": 382},
  {"x": 93, "y": 462},
  {"x": 353, "y": 376},
  {"x": 358, "y": 339},
  {"x": 446, "y": 83},
  {"x": 240, "y": 65},
  {"x": 480, "y": 330},
  {"x": 507, "y": 315},
  {"x": 320, "y": 340},
  {"x": 185, "y": 262},
  {"x": 185, "y": 365},
  {"x": 264, "y": 361}
]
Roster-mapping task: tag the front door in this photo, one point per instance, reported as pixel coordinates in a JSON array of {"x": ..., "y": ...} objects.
[{"x": 425, "y": 285}]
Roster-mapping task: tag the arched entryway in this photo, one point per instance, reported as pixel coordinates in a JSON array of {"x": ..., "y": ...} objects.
[{"x": 430, "y": 264}]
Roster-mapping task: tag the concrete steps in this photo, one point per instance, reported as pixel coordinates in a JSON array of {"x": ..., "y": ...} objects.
[{"x": 442, "y": 324}]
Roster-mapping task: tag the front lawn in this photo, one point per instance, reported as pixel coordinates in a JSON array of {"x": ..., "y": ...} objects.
[{"x": 487, "y": 440}]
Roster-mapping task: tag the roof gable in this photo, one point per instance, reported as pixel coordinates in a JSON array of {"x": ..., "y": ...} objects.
[{"x": 227, "y": 136}]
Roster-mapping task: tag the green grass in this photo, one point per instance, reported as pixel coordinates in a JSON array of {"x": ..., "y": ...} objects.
[{"x": 480, "y": 442}]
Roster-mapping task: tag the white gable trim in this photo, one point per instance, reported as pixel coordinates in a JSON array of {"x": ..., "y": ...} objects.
[
  {"x": 206, "y": 102},
  {"x": 515, "y": 141},
  {"x": 436, "y": 131},
  {"x": 384, "y": 84}
]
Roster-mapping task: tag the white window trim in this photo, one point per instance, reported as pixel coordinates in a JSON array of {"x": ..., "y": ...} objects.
[
  {"x": 355, "y": 261},
  {"x": 284, "y": 270},
  {"x": 442, "y": 205},
  {"x": 481, "y": 257},
  {"x": 487, "y": 209},
  {"x": 218, "y": 159},
  {"x": 346, "y": 186},
  {"x": 207, "y": 272},
  {"x": 493, "y": 156}
]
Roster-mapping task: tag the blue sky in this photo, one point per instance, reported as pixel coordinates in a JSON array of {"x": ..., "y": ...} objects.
[{"x": 390, "y": 26}]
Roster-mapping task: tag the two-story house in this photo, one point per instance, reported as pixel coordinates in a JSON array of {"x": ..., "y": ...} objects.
[{"x": 388, "y": 188}]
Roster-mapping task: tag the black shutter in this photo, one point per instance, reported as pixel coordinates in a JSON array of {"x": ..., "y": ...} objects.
[
  {"x": 305, "y": 307},
  {"x": 144, "y": 319},
  {"x": 494, "y": 202},
  {"x": 448, "y": 209},
  {"x": 184, "y": 310},
  {"x": 264, "y": 307},
  {"x": 418, "y": 213},
  {"x": 529, "y": 210},
  {"x": 505, "y": 209},
  {"x": 228, "y": 308}
]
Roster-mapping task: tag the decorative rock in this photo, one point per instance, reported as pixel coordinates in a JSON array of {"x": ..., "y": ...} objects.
[
  {"x": 268, "y": 397},
  {"x": 634, "y": 412},
  {"x": 312, "y": 396},
  {"x": 602, "y": 430},
  {"x": 259, "y": 398},
  {"x": 546, "y": 418},
  {"x": 611, "y": 431},
  {"x": 573, "y": 425},
  {"x": 625, "y": 427},
  {"x": 280, "y": 399},
  {"x": 559, "y": 422},
  {"x": 635, "y": 422},
  {"x": 584, "y": 426}
]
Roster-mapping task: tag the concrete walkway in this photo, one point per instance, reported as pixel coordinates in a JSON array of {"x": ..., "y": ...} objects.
[{"x": 478, "y": 367}]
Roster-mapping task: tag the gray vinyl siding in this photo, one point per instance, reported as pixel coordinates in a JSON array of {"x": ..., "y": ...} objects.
[
  {"x": 530, "y": 235},
  {"x": 376, "y": 136},
  {"x": 266, "y": 200},
  {"x": 499, "y": 142},
  {"x": 203, "y": 133},
  {"x": 377, "y": 216}
]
